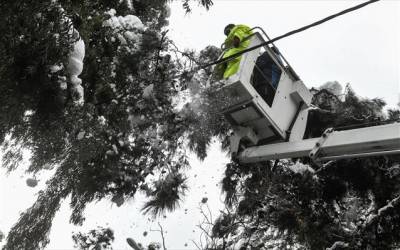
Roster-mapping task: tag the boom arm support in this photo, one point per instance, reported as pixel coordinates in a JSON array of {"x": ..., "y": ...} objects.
[{"x": 362, "y": 142}]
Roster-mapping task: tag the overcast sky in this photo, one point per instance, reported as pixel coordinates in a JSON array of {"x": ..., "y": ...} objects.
[{"x": 361, "y": 48}]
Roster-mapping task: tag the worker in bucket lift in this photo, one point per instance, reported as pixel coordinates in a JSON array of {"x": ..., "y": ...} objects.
[{"x": 237, "y": 39}]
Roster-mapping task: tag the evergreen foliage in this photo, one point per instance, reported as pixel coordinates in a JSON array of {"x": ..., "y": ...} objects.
[
  {"x": 166, "y": 194},
  {"x": 128, "y": 135},
  {"x": 101, "y": 238},
  {"x": 127, "y": 128}
]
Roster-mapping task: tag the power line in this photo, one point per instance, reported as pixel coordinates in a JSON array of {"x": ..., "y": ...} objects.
[{"x": 290, "y": 33}]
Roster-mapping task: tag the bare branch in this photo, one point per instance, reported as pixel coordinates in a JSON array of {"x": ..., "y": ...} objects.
[
  {"x": 162, "y": 236},
  {"x": 198, "y": 247},
  {"x": 161, "y": 231},
  {"x": 209, "y": 212},
  {"x": 204, "y": 230},
  {"x": 185, "y": 54}
]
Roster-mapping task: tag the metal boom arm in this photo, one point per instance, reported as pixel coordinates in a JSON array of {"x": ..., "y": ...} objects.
[{"x": 362, "y": 142}]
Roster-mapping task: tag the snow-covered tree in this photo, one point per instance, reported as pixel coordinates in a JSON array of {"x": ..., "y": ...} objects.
[
  {"x": 88, "y": 88},
  {"x": 91, "y": 89}
]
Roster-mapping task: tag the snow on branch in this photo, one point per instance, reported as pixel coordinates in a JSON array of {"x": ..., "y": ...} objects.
[
  {"x": 127, "y": 29},
  {"x": 300, "y": 168},
  {"x": 382, "y": 211},
  {"x": 338, "y": 244},
  {"x": 75, "y": 67}
]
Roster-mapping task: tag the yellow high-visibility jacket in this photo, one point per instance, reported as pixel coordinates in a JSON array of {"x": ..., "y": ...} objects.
[{"x": 242, "y": 32}]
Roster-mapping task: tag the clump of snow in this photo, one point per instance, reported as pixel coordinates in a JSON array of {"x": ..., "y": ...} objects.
[
  {"x": 131, "y": 36},
  {"x": 113, "y": 87},
  {"x": 75, "y": 63},
  {"x": 80, "y": 135},
  {"x": 111, "y": 12},
  {"x": 148, "y": 92},
  {"x": 127, "y": 29},
  {"x": 125, "y": 22},
  {"x": 31, "y": 182},
  {"x": 62, "y": 80},
  {"x": 130, "y": 22},
  {"x": 122, "y": 39},
  {"x": 115, "y": 149},
  {"x": 239, "y": 244},
  {"x": 333, "y": 87},
  {"x": 74, "y": 68},
  {"x": 110, "y": 152},
  {"x": 56, "y": 68},
  {"x": 101, "y": 120},
  {"x": 300, "y": 168}
]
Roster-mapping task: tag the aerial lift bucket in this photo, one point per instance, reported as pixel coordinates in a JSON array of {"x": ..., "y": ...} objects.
[
  {"x": 272, "y": 127},
  {"x": 258, "y": 119}
]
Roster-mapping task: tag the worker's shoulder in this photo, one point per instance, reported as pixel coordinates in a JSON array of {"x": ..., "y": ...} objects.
[
  {"x": 242, "y": 27},
  {"x": 240, "y": 30}
]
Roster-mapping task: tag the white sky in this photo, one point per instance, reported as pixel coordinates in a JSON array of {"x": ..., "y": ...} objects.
[{"x": 362, "y": 48}]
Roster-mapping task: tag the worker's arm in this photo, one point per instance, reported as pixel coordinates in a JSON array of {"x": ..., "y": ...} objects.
[
  {"x": 240, "y": 34},
  {"x": 236, "y": 41},
  {"x": 235, "y": 37}
]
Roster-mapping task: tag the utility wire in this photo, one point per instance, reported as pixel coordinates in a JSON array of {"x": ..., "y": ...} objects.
[{"x": 289, "y": 34}]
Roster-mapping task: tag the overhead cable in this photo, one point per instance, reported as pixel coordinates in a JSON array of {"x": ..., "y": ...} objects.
[{"x": 289, "y": 33}]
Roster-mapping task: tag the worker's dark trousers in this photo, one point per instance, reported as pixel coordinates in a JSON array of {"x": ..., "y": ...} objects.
[{"x": 266, "y": 76}]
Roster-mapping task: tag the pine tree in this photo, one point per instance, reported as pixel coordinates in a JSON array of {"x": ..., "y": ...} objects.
[
  {"x": 104, "y": 130},
  {"x": 110, "y": 128}
]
